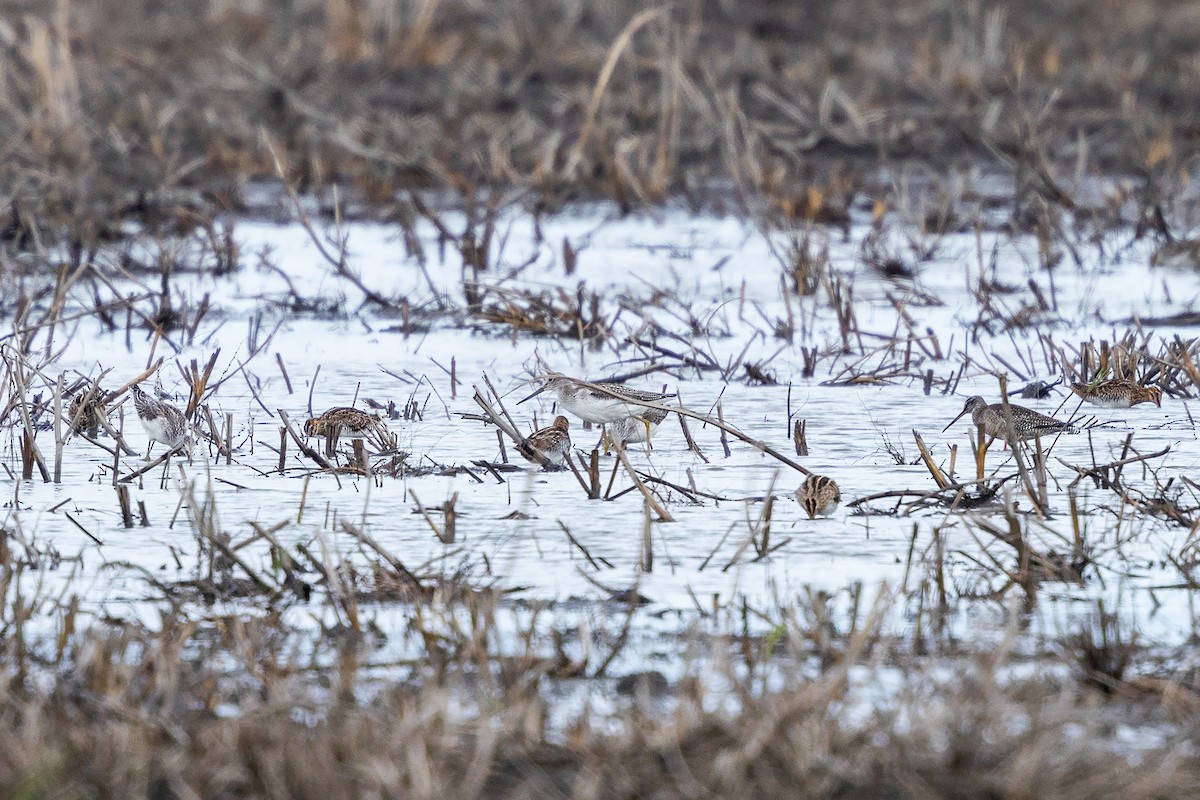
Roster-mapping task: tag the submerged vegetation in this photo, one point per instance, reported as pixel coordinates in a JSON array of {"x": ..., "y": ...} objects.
[{"x": 1028, "y": 150}]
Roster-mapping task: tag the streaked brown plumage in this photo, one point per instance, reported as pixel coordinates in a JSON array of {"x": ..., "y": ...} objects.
[
  {"x": 86, "y": 413},
  {"x": 1118, "y": 393},
  {"x": 331, "y": 423},
  {"x": 1026, "y": 423},
  {"x": 818, "y": 496},
  {"x": 548, "y": 445}
]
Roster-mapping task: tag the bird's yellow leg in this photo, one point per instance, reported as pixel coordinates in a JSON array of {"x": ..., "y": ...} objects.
[{"x": 646, "y": 422}]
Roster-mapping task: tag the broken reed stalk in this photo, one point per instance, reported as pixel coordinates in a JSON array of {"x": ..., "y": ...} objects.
[
  {"x": 304, "y": 448},
  {"x": 593, "y": 493},
  {"x": 83, "y": 530},
  {"x": 286, "y": 563},
  {"x": 450, "y": 518},
  {"x": 1018, "y": 453},
  {"x": 228, "y": 438},
  {"x": 503, "y": 424},
  {"x": 687, "y": 437},
  {"x": 1039, "y": 472},
  {"x": 446, "y": 536},
  {"x": 647, "y": 564},
  {"x": 800, "y": 437},
  {"x": 58, "y": 434},
  {"x": 338, "y": 261},
  {"x": 663, "y": 514},
  {"x": 927, "y": 458},
  {"x": 145, "y": 468},
  {"x": 586, "y": 553},
  {"x": 283, "y": 440},
  {"x": 980, "y": 446},
  {"x": 123, "y": 502},
  {"x": 724, "y": 435},
  {"x": 197, "y": 381},
  {"x": 29, "y": 449},
  {"x": 499, "y": 401},
  {"x": 283, "y": 370},
  {"x": 612, "y": 478},
  {"x": 360, "y": 456},
  {"x": 764, "y": 548},
  {"x": 303, "y": 500},
  {"x": 227, "y": 551},
  {"x": 116, "y": 454},
  {"x": 213, "y": 432}
]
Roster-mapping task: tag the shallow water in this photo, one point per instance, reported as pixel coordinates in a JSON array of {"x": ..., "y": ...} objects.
[{"x": 724, "y": 274}]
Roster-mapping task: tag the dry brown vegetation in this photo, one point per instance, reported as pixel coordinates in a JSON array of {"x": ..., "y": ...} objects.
[
  {"x": 162, "y": 111},
  {"x": 233, "y": 707}
]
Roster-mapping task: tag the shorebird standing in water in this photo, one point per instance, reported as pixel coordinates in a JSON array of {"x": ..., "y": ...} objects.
[
  {"x": 989, "y": 419},
  {"x": 331, "y": 424},
  {"x": 1117, "y": 393},
  {"x": 163, "y": 422},
  {"x": 818, "y": 496},
  {"x": 548, "y": 446},
  {"x": 605, "y": 403}
]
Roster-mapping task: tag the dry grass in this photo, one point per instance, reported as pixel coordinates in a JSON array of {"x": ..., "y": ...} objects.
[
  {"x": 162, "y": 112},
  {"x": 235, "y": 707}
]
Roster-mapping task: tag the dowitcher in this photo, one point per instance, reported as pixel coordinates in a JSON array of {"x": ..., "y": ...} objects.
[
  {"x": 818, "y": 496},
  {"x": 1118, "y": 393},
  {"x": 550, "y": 445},
  {"x": 633, "y": 429},
  {"x": 163, "y": 422},
  {"x": 607, "y": 402},
  {"x": 331, "y": 423}
]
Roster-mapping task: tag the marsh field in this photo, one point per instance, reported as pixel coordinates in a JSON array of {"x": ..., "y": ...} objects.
[{"x": 818, "y": 228}]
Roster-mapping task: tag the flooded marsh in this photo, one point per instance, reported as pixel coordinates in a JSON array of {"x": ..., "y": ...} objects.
[{"x": 564, "y": 399}]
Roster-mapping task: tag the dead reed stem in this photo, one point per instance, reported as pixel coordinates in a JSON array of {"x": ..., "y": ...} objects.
[{"x": 651, "y": 500}]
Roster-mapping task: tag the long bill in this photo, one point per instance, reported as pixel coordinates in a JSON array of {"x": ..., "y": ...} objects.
[
  {"x": 541, "y": 389},
  {"x": 961, "y": 414}
]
